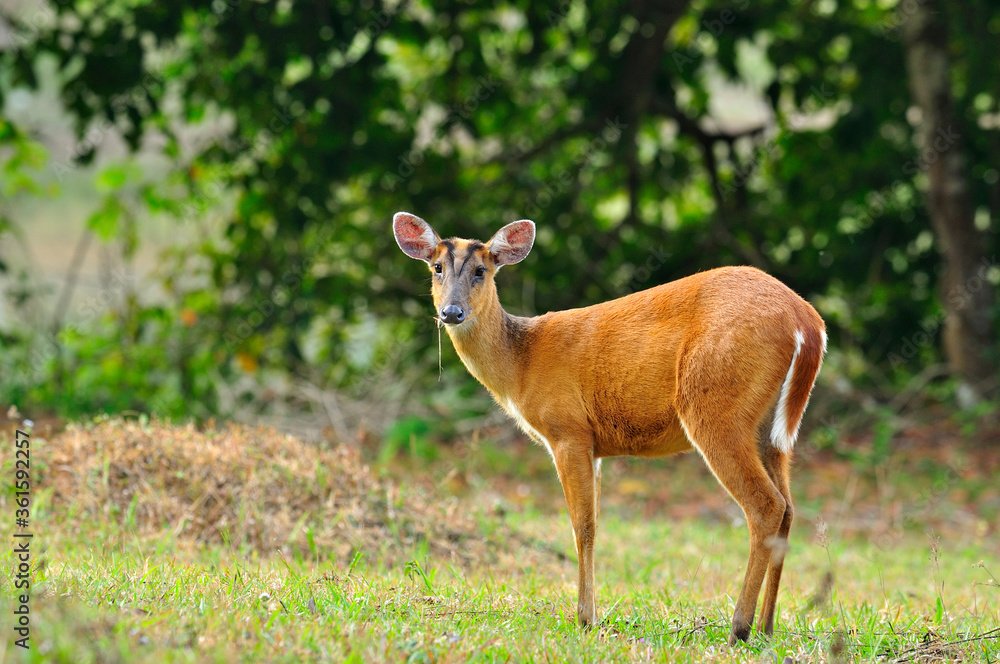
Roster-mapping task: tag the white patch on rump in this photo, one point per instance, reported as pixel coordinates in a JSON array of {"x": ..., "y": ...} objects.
[
  {"x": 780, "y": 437},
  {"x": 527, "y": 428}
]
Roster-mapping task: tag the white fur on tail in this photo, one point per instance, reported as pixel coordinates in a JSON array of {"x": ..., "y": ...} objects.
[{"x": 780, "y": 437}]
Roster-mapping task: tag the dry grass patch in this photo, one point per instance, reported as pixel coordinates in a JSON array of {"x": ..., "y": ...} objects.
[{"x": 244, "y": 487}]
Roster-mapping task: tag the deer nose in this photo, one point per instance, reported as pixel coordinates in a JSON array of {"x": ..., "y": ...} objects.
[{"x": 452, "y": 314}]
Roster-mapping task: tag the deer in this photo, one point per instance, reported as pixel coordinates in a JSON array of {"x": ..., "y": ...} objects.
[{"x": 722, "y": 362}]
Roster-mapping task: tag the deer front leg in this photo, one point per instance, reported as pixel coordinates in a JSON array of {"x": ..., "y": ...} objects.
[{"x": 579, "y": 473}]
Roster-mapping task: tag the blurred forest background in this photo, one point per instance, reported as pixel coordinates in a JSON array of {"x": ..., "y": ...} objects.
[{"x": 196, "y": 197}]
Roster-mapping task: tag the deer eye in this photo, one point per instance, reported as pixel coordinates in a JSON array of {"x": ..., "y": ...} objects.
[
  {"x": 437, "y": 268},
  {"x": 480, "y": 271}
]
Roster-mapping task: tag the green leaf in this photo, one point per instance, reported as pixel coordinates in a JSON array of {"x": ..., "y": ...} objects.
[
  {"x": 111, "y": 179},
  {"x": 104, "y": 222}
]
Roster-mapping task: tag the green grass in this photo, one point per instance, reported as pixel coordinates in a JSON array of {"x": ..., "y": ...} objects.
[
  {"x": 666, "y": 592},
  {"x": 470, "y": 558}
]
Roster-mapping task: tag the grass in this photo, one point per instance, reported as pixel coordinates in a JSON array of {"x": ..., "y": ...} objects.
[{"x": 116, "y": 581}]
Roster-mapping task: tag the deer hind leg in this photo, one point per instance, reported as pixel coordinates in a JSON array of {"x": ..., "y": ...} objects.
[
  {"x": 777, "y": 465},
  {"x": 730, "y": 450},
  {"x": 579, "y": 473}
]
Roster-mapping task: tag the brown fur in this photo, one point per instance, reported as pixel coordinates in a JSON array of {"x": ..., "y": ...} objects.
[
  {"x": 806, "y": 368},
  {"x": 695, "y": 363}
]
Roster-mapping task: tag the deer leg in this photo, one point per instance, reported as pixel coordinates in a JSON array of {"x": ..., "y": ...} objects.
[
  {"x": 597, "y": 488},
  {"x": 732, "y": 456},
  {"x": 776, "y": 463},
  {"x": 579, "y": 474}
]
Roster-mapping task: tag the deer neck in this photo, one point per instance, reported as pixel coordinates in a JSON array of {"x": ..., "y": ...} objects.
[{"x": 493, "y": 346}]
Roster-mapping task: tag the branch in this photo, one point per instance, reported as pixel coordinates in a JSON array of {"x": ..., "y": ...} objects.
[
  {"x": 668, "y": 106},
  {"x": 72, "y": 276},
  {"x": 707, "y": 141},
  {"x": 556, "y": 137}
]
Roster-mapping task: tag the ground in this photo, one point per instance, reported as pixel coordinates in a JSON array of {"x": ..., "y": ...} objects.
[{"x": 163, "y": 543}]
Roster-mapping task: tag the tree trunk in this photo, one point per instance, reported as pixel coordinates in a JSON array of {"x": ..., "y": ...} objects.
[{"x": 966, "y": 293}]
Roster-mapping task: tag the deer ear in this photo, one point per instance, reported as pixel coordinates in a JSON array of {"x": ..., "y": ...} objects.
[
  {"x": 414, "y": 236},
  {"x": 512, "y": 242}
]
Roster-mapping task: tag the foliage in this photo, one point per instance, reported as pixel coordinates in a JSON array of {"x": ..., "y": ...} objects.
[
  {"x": 149, "y": 361},
  {"x": 471, "y": 115},
  {"x": 20, "y": 160}
]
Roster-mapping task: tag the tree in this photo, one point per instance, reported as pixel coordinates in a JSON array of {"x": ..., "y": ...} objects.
[
  {"x": 600, "y": 120},
  {"x": 966, "y": 292}
]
